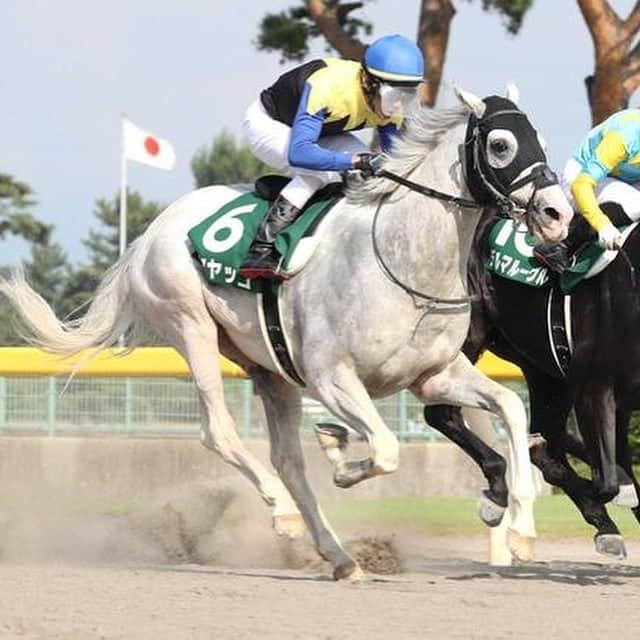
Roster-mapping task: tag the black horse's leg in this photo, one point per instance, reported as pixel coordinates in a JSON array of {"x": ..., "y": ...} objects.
[
  {"x": 558, "y": 472},
  {"x": 550, "y": 402},
  {"x": 596, "y": 410},
  {"x": 449, "y": 421},
  {"x": 573, "y": 445}
]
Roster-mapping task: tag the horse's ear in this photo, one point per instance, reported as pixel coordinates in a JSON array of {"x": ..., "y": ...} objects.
[
  {"x": 471, "y": 101},
  {"x": 513, "y": 93}
]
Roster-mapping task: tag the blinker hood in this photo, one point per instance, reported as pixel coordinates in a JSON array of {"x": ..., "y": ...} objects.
[{"x": 499, "y": 114}]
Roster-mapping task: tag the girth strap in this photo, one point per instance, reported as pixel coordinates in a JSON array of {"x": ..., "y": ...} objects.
[
  {"x": 275, "y": 333},
  {"x": 559, "y": 329}
]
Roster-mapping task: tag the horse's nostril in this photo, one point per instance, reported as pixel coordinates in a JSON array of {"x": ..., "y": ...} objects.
[{"x": 552, "y": 213}]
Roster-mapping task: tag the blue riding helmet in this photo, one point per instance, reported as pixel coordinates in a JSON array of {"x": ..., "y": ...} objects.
[{"x": 395, "y": 60}]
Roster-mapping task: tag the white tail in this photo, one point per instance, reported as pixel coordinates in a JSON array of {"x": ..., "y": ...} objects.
[{"x": 108, "y": 317}]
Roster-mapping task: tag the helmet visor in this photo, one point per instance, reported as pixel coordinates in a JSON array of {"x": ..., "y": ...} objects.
[{"x": 395, "y": 100}]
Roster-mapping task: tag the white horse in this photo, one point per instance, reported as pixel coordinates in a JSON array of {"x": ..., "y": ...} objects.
[{"x": 380, "y": 307}]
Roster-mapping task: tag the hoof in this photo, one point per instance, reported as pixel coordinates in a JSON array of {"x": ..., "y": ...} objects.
[
  {"x": 331, "y": 436},
  {"x": 611, "y": 545},
  {"x": 490, "y": 513},
  {"x": 352, "y": 472},
  {"x": 522, "y": 547},
  {"x": 626, "y": 497},
  {"x": 349, "y": 571},
  {"x": 289, "y": 525}
]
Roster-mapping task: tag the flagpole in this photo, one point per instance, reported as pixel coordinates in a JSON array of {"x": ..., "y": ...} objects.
[
  {"x": 123, "y": 190},
  {"x": 123, "y": 200}
]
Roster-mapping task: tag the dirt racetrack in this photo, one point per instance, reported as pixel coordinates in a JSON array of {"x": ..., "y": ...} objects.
[{"x": 198, "y": 566}]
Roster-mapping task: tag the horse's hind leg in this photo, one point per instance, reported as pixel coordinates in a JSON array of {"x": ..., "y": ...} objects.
[
  {"x": 283, "y": 408},
  {"x": 595, "y": 411},
  {"x": 551, "y": 402},
  {"x": 195, "y": 337},
  {"x": 629, "y": 488},
  {"x": 341, "y": 391},
  {"x": 464, "y": 385}
]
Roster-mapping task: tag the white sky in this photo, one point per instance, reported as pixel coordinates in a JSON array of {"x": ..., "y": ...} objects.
[{"x": 186, "y": 70}]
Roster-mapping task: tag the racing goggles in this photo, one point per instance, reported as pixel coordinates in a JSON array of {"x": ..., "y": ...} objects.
[{"x": 396, "y": 100}]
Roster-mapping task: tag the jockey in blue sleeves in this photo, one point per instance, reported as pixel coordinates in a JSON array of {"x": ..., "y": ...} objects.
[{"x": 301, "y": 124}]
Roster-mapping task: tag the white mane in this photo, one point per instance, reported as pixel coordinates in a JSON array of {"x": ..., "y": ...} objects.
[{"x": 423, "y": 131}]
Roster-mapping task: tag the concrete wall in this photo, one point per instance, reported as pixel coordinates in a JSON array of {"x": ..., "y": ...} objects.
[{"x": 127, "y": 467}]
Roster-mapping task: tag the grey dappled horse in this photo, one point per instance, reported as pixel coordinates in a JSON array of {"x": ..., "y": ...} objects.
[{"x": 380, "y": 307}]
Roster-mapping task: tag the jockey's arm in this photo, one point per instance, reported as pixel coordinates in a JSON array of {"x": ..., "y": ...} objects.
[
  {"x": 304, "y": 150},
  {"x": 609, "y": 153}
]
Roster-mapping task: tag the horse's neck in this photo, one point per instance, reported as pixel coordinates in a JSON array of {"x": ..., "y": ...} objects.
[{"x": 433, "y": 238}]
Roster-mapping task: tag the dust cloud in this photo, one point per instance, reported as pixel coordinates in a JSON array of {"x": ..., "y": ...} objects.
[{"x": 218, "y": 524}]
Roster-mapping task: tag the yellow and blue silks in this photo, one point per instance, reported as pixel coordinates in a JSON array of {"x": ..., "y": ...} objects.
[{"x": 610, "y": 149}]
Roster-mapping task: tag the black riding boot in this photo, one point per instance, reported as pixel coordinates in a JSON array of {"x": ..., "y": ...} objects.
[
  {"x": 262, "y": 260},
  {"x": 556, "y": 256}
]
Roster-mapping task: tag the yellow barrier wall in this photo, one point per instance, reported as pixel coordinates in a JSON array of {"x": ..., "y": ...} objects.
[
  {"x": 151, "y": 362},
  {"x": 156, "y": 362},
  {"x": 499, "y": 369}
]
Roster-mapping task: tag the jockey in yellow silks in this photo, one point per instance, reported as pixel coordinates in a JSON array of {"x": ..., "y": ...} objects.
[
  {"x": 605, "y": 168},
  {"x": 301, "y": 125}
]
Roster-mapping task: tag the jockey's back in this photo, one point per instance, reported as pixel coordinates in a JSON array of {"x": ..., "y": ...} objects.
[
  {"x": 330, "y": 84},
  {"x": 613, "y": 148}
]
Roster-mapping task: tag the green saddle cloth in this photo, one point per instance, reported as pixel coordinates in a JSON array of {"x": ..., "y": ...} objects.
[
  {"x": 221, "y": 242},
  {"x": 511, "y": 257}
]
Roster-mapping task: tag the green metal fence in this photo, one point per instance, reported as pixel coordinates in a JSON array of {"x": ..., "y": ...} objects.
[{"x": 160, "y": 406}]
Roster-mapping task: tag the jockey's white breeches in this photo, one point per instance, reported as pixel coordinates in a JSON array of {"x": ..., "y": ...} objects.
[
  {"x": 268, "y": 139},
  {"x": 607, "y": 190}
]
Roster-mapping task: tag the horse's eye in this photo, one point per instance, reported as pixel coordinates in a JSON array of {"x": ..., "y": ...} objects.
[
  {"x": 499, "y": 146},
  {"x": 502, "y": 148}
]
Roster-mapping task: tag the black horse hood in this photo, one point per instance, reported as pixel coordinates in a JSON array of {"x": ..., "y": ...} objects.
[{"x": 500, "y": 113}]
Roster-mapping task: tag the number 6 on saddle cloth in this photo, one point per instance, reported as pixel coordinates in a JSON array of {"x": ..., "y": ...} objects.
[{"x": 221, "y": 242}]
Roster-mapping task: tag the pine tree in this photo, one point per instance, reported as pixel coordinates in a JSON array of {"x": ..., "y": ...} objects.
[{"x": 16, "y": 198}]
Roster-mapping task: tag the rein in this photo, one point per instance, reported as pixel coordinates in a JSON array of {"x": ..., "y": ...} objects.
[
  {"x": 431, "y": 300},
  {"x": 428, "y": 191}
]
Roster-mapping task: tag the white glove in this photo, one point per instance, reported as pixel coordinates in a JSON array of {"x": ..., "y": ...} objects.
[{"x": 610, "y": 238}]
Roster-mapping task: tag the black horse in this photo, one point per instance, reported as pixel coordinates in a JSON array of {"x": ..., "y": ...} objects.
[{"x": 600, "y": 379}]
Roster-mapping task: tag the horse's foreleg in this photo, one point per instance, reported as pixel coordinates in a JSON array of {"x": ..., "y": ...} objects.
[
  {"x": 449, "y": 421},
  {"x": 282, "y": 404},
  {"x": 342, "y": 392},
  {"x": 464, "y": 385}
]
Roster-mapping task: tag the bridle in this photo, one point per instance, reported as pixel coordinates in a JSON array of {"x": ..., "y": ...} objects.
[
  {"x": 483, "y": 183},
  {"x": 476, "y": 172},
  {"x": 481, "y": 177}
]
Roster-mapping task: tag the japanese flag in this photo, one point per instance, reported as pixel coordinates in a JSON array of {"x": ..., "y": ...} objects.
[{"x": 142, "y": 146}]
